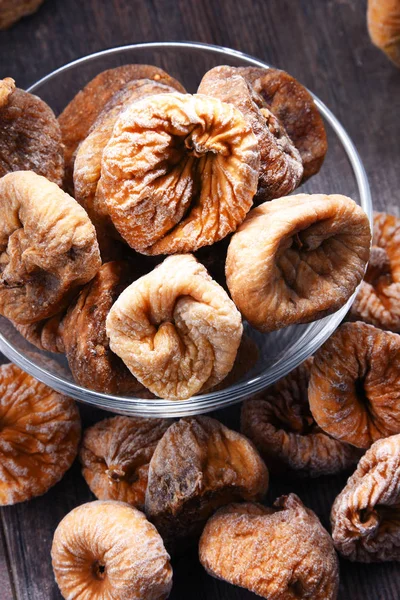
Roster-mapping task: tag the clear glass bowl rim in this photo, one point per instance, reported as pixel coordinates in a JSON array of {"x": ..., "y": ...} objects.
[{"x": 212, "y": 400}]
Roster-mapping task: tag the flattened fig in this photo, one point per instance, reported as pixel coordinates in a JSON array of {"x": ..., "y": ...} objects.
[
  {"x": 87, "y": 165},
  {"x": 80, "y": 114},
  {"x": 354, "y": 388},
  {"x": 30, "y": 137},
  {"x": 92, "y": 362},
  {"x": 294, "y": 106},
  {"x": 278, "y": 553},
  {"x": 281, "y": 168},
  {"x": 178, "y": 173},
  {"x": 198, "y": 466},
  {"x": 366, "y": 515},
  {"x": 48, "y": 248},
  {"x": 176, "y": 329},
  {"x": 297, "y": 259},
  {"x": 109, "y": 551},
  {"x": 115, "y": 455},
  {"x": 280, "y": 424},
  {"x": 378, "y": 299},
  {"x": 39, "y": 436}
]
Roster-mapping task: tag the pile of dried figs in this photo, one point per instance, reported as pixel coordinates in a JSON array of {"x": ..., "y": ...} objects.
[
  {"x": 140, "y": 227},
  {"x": 136, "y": 232}
]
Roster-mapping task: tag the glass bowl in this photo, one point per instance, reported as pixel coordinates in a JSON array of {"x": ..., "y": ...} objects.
[{"x": 280, "y": 351}]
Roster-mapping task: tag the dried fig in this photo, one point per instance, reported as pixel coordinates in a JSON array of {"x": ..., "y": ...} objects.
[
  {"x": 378, "y": 299},
  {"x": 109, "y": 551},
  {"x": 115, "y": 455},
  {"x": 354, "y": 389},
  {"x": 297, "y": 259},
  {"x": 278, "y": 553},
  {"x": 80, "y": 114},
  {"x": 178, "y": 173},
  {"x": 12, "y": 11},
  {"x": 198, "y": 466},
  {"x": 48, "y": 248},
  {"x": 280, "y": 424},
  {"x": 294, "y": 106},
  {"x": 30, "y": 137},
  {"x": 92, "y": 363},
  {"x": 39, "y": 436},
  {"x": 87, "y": 164},
  {"x": 383, "y": 17},
  {"x": 281, "y": 167},
  {"x": 366, "y": 514},
  {"x": 45, "y": 335},
  {"x": 176, "y": 329}
]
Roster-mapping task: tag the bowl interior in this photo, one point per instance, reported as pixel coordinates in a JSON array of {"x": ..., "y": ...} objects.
[{"x": 278, "y": 352}]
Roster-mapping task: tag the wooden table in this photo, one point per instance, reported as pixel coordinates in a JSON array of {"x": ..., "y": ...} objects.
[{"x": 323, "y": 43}]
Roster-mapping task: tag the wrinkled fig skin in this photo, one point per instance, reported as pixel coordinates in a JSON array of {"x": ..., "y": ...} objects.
[
  {"x": 39, "y": 436},
  {"x": 280, "y": 424},
  {"x": 176, "y": 329},
  {"x": 12, "y": 11},
  {"x": 45, "y": 335},
  {"x": 297, "y": 259},
  {"x": 87, "y": 166},
  {"x": 48, "y": 248},
  {"x": 294, "y": 107},
  {"x": 109, "y": 551},
  {"x": 281, "y": 167},
  {"x": 30, "y": 136},
  {"x": 198, "y": 466},
  {"x": 80, "y": 114},
  {"x": 179, "y": 172},
  {"x": 378, "y": 299},
  {"x": 354, "y": 389},
  {"x": 366, "y": 515},
  {"x": 115, "y": 455},
  {"x": 92, "y": 363},
  {"x": 279, "y": 553}
]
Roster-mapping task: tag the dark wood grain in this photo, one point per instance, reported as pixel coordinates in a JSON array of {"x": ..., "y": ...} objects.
[{"x": 324, "y": 43}]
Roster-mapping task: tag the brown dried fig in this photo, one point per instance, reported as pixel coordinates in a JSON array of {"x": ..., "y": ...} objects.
[
  {"x": 176, "y": 329},
  {"x": 39, "y": 436},
  {"x": 80, "y": 114},
  {"x": 378, "y": 299},
  {"x": 278, "y": 553},
  {"x": 366, "y": 514},
  {"x": 92, "y": 363},
  {"x": 294, "y": 106},
  {"x": 48, "y": 248},
  {"x": 297, "y": 259},
  {"x": 198, "y": 466},
  {"x": 354, "y": 389},
  {"x": 109, "y": 551},
  {"x": 30, "y": 137},
  {"x": 178, "y": 173},
  {"x": 87, "y": 164},
  {"x": 115, "y": 456},
  {"x": 45, "y": 335},
  {"x": 280, "y": 424},
  {"x": 12, "y": 11},
  {"x": 281, "y": 167}
]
